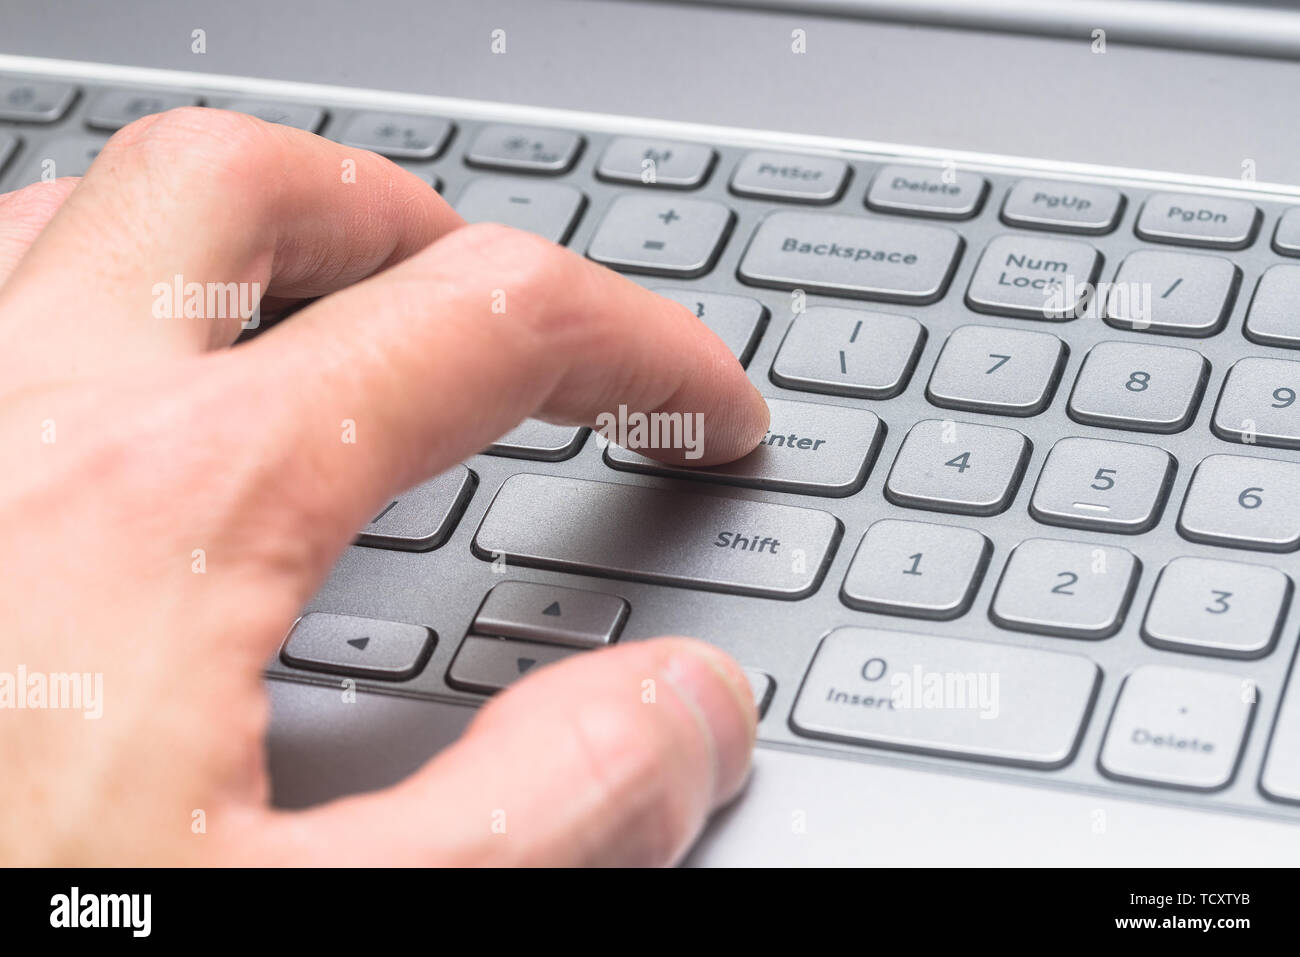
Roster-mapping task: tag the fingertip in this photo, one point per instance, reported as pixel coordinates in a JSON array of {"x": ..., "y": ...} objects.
[{"x": 712, "y": 685}]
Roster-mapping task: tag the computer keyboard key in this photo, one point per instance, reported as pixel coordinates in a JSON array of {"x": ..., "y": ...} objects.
[
  {"x": 1286, "y": 238},
  {"x": 425, "y": 173},
  {"x": 8, "y": 144},
  {"x": 1062, "y": 207},
  {"x": 736, "y": 320},
  {"x": 662, "y": 163},
  {"x": 1213, "y": 607},
  {"x": 996, "y": 370},
  {"x": 664, "y": 536},
  {"x": 113, "y": 109},
  {"x": 64, "y": 156},
  {"x": 551, "y": 614},
  {"x": 397, "y": 135},
  {"x": 1257, "y": 405},
  {"x": 917, "y": 569},
  {"x": 1144, "y": 388},
  {"x": 950, "y": 466},
  {"x": 1102, "y": 485},
  {"x": 1271, "y": 318},
  {"x": 486, "y": 665},
  {"x": 550, "y": 210},
  {"x": 1211, "y": 221},
  {"x": 423, "y": 518},
  {"x": 364, "y": 647},
  {"x": 939, "y": 192},
  {"x": 1178, "y": 728},
  {"x": 851, "y": 256},
  {"x": 661, "y": 235},
  {"x": 790, "y": 177},
  {"x": 1243, "y": 502},
  {"x": 1174, "y": 294},
  {"x": 1280, "y": 779},
  {"x": 540, "y": 441},
  {"x": 525, "y": 149},
  {"x": 761, "y": 686},
  {"x": 301, "y": 116},
  {"x": 1034, "y": 278},
  {"x": 999, "y": 703},
  {"x": 809, "y": 449},
  {"x": 34, "y": 101},
  {"x": 1070, "y": 589},
  {"x": 867, "y": 355}
]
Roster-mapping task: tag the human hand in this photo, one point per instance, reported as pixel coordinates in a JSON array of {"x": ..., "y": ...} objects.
[{"x": 133, "y": 441}]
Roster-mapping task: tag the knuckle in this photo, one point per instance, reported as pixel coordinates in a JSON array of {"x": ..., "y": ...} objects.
[
  {"x": 527, "y": 257},
  {"x": 192, "y": 141},
  {"x": 523, "y": 263},
  {"x": 529, "y": 269}
]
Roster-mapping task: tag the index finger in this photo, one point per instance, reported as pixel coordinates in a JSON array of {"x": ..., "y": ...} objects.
[{"x": 428, "y": 369}]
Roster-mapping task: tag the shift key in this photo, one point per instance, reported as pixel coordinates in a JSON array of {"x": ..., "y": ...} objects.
[{"x": 666, "y": 536}]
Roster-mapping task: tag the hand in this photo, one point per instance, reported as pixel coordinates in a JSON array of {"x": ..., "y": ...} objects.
[{"x": 131, "y": 441}]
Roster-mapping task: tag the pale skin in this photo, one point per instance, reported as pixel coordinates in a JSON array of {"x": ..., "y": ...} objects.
[{"x": 131, "y": 441}]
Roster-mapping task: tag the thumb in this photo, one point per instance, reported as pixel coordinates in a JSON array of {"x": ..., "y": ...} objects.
[{"x": 612, "y": 757}]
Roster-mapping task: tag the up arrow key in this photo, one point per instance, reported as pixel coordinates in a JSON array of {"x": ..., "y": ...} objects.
[
  {"x": 359, "y": 643},
  {"x": 525, "y": 663},
  {"x": 550, "y": 615}
]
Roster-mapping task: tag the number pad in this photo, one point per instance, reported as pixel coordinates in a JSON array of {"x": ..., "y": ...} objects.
[
  {"x": 958, "y": 467},
  {"x": 1065, "y": 588},
  {"x": 1140, "y": 387},
  {"x": 1109, "y": 486},
  {"x": 1258, "y": 404},
  {"x": 1001, "y": 371},
  {"x": 868, "y": 355},
  {"x": 917, "y": 569},
  {"x": 1243, "y": 502},
  {"x": 1213, "y": 607}
]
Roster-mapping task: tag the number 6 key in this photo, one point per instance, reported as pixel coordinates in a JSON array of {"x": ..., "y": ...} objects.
[{"x": 1243, "y": 502}]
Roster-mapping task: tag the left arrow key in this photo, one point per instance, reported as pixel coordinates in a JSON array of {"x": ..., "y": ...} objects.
[{"x": 364, "y": 647}]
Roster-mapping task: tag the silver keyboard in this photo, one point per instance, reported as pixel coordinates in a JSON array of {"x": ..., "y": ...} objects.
[{"x": 1030, "y": 502}]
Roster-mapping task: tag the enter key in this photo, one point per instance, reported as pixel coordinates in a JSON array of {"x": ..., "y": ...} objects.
[{"x": 810, "y": 449}]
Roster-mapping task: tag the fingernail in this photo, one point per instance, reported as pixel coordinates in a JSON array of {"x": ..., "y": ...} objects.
[{"x": 710, "y": 683}]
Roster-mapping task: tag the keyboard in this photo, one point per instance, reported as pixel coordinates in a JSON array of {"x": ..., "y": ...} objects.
[{"x": 1030, "y": 502}]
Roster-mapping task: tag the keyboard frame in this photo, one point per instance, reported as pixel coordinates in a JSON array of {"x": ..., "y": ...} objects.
[{"x": 443, "y": 588}]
